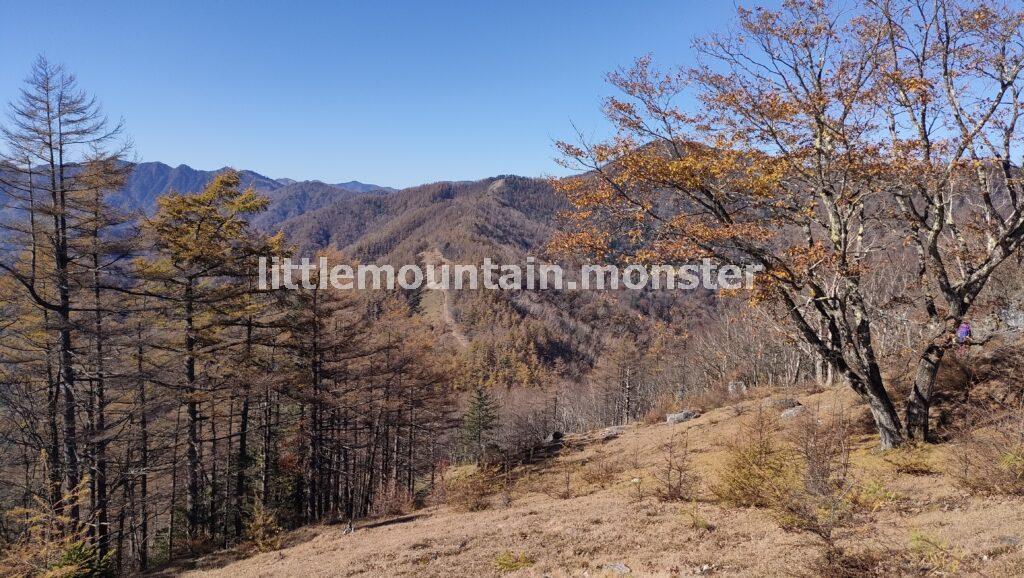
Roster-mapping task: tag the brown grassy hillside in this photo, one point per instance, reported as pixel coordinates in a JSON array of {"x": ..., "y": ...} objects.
[{"x": 594, "y": 511}]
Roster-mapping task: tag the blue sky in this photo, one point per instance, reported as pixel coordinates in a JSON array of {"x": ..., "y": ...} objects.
[{"x": 394, "y": 93}]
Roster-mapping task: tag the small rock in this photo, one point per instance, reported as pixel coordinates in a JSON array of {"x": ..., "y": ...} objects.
[
  {"x": 1011, "y": 541},
  {"x": 553, "y": 437},
  {"x": 781, "y": 402},
  {"x": 793, "y": 412},
  {"x": 618, "y": 568},
  {"x": 737, "y": 388},
  {"x": 610, "y": 433},
  {"x": 685, "y": 415}
]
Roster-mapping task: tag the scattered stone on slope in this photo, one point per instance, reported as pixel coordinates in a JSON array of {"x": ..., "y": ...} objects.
[
  {"x": 618, "y": 568},
  {"x": 780, "y": 402},
  {"x": 685, "y": 415},
  {"x": 737, "y": 389},
  {"x": 793, "y": 412},
  {"x": 610, "y": 433},
  {"x": 554, "y": 437}
]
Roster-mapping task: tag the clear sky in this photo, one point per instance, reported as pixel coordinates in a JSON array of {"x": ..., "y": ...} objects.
[{"x": 393, "y": 93}]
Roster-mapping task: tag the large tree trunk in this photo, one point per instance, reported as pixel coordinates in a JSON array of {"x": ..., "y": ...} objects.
[
  {"x": 213, "y": 510},
  {"x": 100, "y": 433},
  {"x": 66, "y": 370},
  {"x": 241, "y": 485},
  {"x": 868, "y": 383},
  {"x": 192, "y": 457},
  {"x": 242, "y": 463},
  {"x": 143, "y": 461},
  {"x": 887, "y": 421},
  {"x": 72, "y": 474},
  {"x": 920, "y": 398},
  {"x": 192, "y": 418},
  {"x": 174, "y": 484},
  {"x": 52, "y": 427},
  {"x": 268, "y": 454}
]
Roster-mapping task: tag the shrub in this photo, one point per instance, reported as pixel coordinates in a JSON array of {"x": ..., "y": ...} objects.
[
  {"x": 676, "y": 479},
  {"x": 559, "y": 484},
  {"x": 506, "y": 489},
  {"x": 873, "y": 495},
  {"x": 697, "y": 521},
  {"x": 509, "y": 562},
  {"x": 472, "y": 493},
  {"x": 868, "y": 562},
  {"x": 663, "y": 405},
  {"x": 912, "y": 459},
  {"x": 263, "y": 530},
  {"x": 393, "y": 501},
  {"x": 80, "y": 560},
  {"x": 990, "y": 460},
  {"x": 820, "y": 499},
  {"x": 601, "y": 470},
  {"x": 824, "y": 449},
  {"x": 44, "y": 547},
  {"x": 756, "y": 467},
  {"x": 638, "y": 489},
  {"x": 934, "y": 554}
]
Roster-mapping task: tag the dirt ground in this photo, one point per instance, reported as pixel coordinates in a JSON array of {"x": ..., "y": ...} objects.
[{"x": 604, "y": 520}]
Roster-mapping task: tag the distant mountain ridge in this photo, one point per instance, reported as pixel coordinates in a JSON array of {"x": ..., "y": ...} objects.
[
  {"x": 506, "y": 218},
  {"x": 363, "y": 187},
  {"x": 149, "y": 180}
]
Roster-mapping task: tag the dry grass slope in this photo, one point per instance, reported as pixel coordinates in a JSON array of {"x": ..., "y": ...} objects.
[{"x": 595, "y": 511}]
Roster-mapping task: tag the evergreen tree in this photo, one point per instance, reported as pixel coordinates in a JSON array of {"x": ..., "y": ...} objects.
[{"x": 480, "y": 421}]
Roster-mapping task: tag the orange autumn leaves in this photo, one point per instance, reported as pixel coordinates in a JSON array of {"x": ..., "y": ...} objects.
[{"x": 773, "y": 167}]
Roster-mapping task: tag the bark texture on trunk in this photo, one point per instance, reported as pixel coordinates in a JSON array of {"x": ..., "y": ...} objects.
[{"x": 920, "y": 399}]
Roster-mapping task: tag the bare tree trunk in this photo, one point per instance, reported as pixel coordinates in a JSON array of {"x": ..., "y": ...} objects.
[
  {"x": 72, "y": 475},
  {"x": 143, "y": 460},
  {"x": 100, "y": 431},
  {"x": 192, "y": 417},
  {"x": 242, "y": 463},
  {"x": 886, "y": 420},
  {"x": 174, "y": 483},
  {"x": 53, "y": 437},
  {"x": 268, "y": 417},
  {"x": 920, "y": 398},
  {"x": 214, "y": 508}
]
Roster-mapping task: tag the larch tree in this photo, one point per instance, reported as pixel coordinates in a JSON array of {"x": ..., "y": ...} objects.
[
  {"x": 129, "y": 343},
  {"x": 202, "y": 252},
  {"x": 59, "y": 145},
  {"x": 98, "y": 270}
]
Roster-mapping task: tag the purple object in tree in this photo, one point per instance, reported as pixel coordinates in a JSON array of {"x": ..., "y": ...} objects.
[{"x": 963, "y": 333}]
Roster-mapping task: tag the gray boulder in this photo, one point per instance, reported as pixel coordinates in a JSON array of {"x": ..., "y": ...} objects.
[
  {"x": 617, "y": 568},
  {"x": 737, "y": 388},
  {"x": 554, "y": 437},
  {"x": 685, "y": 415},
  {"x": 781, "y": 402},
  {"x": 610, "y": 433},
  {"x": 793, "y": 412}
]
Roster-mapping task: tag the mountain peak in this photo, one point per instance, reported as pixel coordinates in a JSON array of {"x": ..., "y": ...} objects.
[
  {"x": 363, "y": 187},
  {"x": 150, "y": 179}
]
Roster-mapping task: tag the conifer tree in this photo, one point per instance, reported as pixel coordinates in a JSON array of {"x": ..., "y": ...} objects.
[
  {"x": 202, "y": 251},
  {"x": 480, "y": 421},
  {"x": 58, "y": 145}
]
